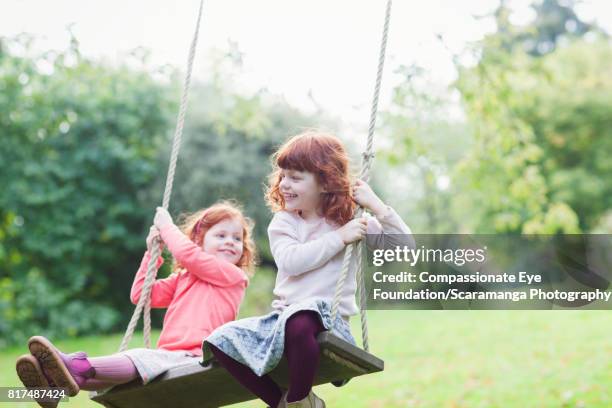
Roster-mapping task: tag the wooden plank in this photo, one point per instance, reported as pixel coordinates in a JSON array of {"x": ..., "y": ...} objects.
[
  {"x": 212, "y": 386},
  {"x": 182, "y": 387},
  {"x": 352, "y": 353}
]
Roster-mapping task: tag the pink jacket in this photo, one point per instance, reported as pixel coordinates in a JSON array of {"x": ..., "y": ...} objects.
[{"x": 204, "y": 297}]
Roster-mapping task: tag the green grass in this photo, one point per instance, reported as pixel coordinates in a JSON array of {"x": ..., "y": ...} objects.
[{"x": 452, "y": 359}]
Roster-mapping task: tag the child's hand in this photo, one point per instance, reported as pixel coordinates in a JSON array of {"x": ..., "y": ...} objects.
[
  {"x": 162, "y": 217},
  {"x": 154, "y": 237},
  {"x": 365, "y": 197},
  {"x": 353, "y": 230}
]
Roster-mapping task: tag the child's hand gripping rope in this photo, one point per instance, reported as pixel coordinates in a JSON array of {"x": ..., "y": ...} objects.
[
  {"x": 154, "y": 237},
  {"x": 367, "y": 198},
  {"x": 162, "y": 217}
]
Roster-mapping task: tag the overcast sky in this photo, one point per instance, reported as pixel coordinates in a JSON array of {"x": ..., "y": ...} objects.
[{"x": 290, "y": 47}]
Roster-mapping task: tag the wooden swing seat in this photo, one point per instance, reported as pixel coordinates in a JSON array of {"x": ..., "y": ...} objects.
[{"x": 212, "y": 386}]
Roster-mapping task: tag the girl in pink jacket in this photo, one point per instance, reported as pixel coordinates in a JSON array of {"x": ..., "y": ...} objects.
[{"x": 213, "y": 257}]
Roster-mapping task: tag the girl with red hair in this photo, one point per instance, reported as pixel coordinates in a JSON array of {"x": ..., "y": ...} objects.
[
  {"x": 313, "y": 199},
  {"x": 214, "y": 256}
]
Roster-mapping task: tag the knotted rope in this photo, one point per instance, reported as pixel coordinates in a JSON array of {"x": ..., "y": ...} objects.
[
  {"x": 364, "y": 175},
  {"x": 144, "y": 302}
]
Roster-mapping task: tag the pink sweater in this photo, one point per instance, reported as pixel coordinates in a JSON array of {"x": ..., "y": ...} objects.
[{"x": 200, "y": 299}]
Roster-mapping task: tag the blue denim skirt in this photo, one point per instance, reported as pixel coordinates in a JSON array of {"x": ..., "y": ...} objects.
[{"x": 259, "y": 342}]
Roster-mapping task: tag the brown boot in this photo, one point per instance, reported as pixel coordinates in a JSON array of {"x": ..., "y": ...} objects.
[
  {"x": 31, "y": 375},
  {"x": 52, "y": 363},
  {"x": 311, "y": 401}
]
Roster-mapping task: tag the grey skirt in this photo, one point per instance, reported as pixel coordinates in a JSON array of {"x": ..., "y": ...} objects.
[
  {"x": 150, "y": 363},
  {"x": 259, "y": 342}
]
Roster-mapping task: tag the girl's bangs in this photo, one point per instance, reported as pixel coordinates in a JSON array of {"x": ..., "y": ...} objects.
[{"x": 295, "y": 156}]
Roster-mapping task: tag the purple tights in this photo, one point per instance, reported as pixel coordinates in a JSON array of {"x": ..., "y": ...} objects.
[
  {"x": 110, "y": 370},
  {"x": 302, "y": 352},
  {"x": 97, "y": 373}
]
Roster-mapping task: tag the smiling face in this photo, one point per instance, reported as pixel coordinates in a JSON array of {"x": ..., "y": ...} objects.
[
  {"x": 224, "y": 240},
  {"x": 301, "y": 192}
]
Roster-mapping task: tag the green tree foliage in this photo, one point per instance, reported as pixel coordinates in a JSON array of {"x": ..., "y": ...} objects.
[
  {"x": 79, "y": 145},
  {"x": 541, "y": 162},
  {"x": 534, "y": 153}
]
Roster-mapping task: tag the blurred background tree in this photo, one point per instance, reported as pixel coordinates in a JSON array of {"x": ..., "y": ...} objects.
[
  {"x": 80, "y": 142},
  {"x": 538, "y": 99},
  {"x": 424, "y": 142},
  {"x": 531, "y": 150}
]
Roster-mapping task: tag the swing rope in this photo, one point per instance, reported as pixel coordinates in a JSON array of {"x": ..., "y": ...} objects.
[
  {"x": 144, "y": 302},
  {"x": 368, "y": 157}
]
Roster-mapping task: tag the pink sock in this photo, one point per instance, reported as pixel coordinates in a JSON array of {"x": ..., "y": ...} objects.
[{"x": 115, "y": 369}]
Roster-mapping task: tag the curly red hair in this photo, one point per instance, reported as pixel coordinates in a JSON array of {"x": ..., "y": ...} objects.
[
  {"x": 196, "y": 225},
  {"x": 324, "y": 156}
]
